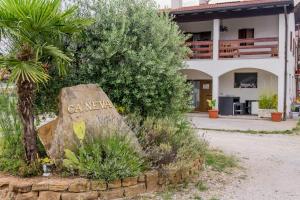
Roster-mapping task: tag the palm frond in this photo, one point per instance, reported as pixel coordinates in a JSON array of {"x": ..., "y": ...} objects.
[
  {"x": 24, "y": 70},
  {"x": 56, "y": 53},
  {"x": 60, "y": 58},
  {"x": 36, "y": 23},
  {"x": 32, "y": 72}
]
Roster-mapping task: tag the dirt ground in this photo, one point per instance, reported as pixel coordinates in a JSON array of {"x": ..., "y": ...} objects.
[
  {"x": 269, "y": 169},
  {"x": 272, "y": 164}
]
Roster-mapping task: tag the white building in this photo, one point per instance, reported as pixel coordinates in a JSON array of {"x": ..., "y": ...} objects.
[{"x": 241, "y": 50}]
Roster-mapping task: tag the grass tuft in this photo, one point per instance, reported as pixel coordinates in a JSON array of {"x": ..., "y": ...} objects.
[
  {"x": 219, "y": 161},
  {"x": 201, "y": 186}
]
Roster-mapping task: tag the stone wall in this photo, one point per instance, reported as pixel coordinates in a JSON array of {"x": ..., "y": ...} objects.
[{"x": 12, "y": 188}]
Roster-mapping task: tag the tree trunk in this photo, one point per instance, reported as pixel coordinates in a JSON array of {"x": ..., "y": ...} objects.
[{"x": 26, "y": 93}]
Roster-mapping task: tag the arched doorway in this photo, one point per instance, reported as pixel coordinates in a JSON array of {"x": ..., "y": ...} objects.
[
  {"x": 202, "y": 88},
  {"x": 244, "y": 87}
]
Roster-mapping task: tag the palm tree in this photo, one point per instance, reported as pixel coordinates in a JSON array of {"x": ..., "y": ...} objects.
[{"x": 34, "y": 30}]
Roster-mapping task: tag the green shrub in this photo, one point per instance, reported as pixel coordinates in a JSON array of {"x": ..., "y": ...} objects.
[
  {"x": 169, "y": 141},
  {"x": 120, "y": 160},
  {"x": 134, "y": 53},
  {"x": 268, "y": 101},
  {"x": 109, "y": 157},
  {"x": 12, "y": 154}
]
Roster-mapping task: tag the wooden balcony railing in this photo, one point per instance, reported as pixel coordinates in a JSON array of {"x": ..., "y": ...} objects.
[
  {"x": 201, "y": 49},
  {"x": 249, "y": 47}
]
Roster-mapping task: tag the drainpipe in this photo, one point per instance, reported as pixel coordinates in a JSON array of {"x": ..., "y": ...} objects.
[{"x": 285, "y": 62}]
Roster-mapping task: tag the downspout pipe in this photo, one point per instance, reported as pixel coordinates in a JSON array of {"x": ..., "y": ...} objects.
[{"x": 285, "y": 62}]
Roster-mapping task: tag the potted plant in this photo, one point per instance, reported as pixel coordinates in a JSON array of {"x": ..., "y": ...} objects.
[
  {"x": 276, "y": 116},
  {"x": 294, "y": 114},
  {"x": 47, "y": 165},
  {"x": 267, "y": 105},
  {"x": 270, "y": 102},
  {"x": 213, "y": 112}
]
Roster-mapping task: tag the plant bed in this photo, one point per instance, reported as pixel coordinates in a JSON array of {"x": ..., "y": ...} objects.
[
  {"x": 185, "y": 162},
  {"x": 58, "y": 188},
  {"x": 265, "y": 113},
  {"x": 267, "y": 105}
]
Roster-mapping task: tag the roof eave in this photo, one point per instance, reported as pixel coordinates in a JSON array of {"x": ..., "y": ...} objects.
[{"x": 235, "y": 7}]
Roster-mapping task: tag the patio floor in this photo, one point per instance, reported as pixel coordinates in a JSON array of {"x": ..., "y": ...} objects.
[{"x": 242, "y": 123}]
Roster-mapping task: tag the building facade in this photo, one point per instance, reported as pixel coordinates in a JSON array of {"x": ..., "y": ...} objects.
[{"x": 240, "y": 51}]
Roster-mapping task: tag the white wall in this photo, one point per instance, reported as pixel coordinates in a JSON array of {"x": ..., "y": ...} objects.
[
  {"x": 266, "y": 84},
  {"x": 195, "y": 27},
  {"x": 195, "y": 74},
  {"x": 176, "y": 3},
  {"x": 190, "y": 2},
  {"x": 264, "y": 26}
]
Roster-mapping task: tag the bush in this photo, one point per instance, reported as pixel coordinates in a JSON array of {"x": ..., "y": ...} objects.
[
  {"x": 268, "y": 101},
  {"x": 109, "y": 157},
  {"x": 134, "y": 53},
  {"x": 12, "y": 153},
  {"x": 169, "y": 141}
]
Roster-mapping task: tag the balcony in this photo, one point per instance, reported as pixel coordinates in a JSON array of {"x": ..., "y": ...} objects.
[
  {"x": 240, "y": 48},
  {"x": 201, "y": 49},
  {"x": 246, "y": 48}
]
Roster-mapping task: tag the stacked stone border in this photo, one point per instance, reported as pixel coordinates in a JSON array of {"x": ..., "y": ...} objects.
[{"x": 12, "y": 188}]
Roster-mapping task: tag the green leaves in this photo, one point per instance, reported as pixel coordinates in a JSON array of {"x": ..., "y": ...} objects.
[
  {"x": 134, "y": 54},
  {"x": 109, "y": 158},
  {"x": 70, "y": 161},
  {"x": 25, "y": 70},
  {"x": 268, "y": 101},
  {"x": 211, "y": 103},
  {"x": 38, "y": 25}
]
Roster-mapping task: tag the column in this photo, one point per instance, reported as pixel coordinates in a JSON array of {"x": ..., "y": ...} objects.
[
  {"x": 281, "y": 36},
  {"x": 215, "y": 90},
  {"x": 216, "y": 38},
  {"x": 280, "y": 92}
]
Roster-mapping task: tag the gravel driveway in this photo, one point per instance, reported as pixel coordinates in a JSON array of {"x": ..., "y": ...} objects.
[{"x": 272, "y": 164}]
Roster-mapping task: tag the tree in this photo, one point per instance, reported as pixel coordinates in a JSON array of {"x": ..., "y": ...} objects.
[
  {"x": 34, "y": 30},
  {"x": 134, "y": 53}
]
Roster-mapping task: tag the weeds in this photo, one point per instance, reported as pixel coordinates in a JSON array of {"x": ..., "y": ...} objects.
[
  {"x": 198, "y": 198},
  {"x": 213, "y": 198},
  {"x": 201, "y": 186},
  {"x": 109, "y": 157},
  {"x": 12, "y": 154},
  {"x": 169, "y": 141},
  {"x": 219, "y": 161},
  {"x": 168, "y": 193}
]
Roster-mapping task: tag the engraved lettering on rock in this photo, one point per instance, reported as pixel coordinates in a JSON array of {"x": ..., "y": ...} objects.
[{"x": 89, "y": 106}]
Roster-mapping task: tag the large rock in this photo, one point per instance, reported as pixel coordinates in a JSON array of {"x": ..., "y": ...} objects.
[{"x": 86, "y": 103}]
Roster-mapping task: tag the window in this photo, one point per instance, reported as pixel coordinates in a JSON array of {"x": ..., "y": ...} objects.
[
  {"x": 202, "y": 36},
  {"x": 245, "y": 80},
  {"x": 246, "y": 33}
]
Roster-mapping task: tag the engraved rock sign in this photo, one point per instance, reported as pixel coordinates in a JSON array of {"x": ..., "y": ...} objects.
[{"x": 86, "y": 103}]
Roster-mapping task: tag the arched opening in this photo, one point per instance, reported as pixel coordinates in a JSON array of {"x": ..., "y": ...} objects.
[
  {"x": 240, "y": 90},
  {"x": 202, "y": 88}
]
